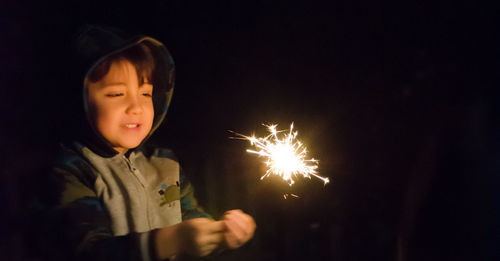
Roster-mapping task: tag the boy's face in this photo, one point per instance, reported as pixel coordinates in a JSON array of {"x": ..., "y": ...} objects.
[{"x": 121, "y": 109}]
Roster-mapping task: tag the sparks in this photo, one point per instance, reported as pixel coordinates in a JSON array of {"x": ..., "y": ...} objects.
[{"x": 285, "y": 155}]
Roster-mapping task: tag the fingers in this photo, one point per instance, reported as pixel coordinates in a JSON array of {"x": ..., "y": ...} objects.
[
  {"x": 240, "y": 228},
  {"x": 215, "y": 227},
  {"x": 204, "y": 226},
  {"x": 236, "y": 233},
  {"x": 213, "y": 238},
  {"x": 210, "y": 232},
  {"x": 242, "y": 220},
  {"x": 202, "y": 235},
  {"x": 207, "y": 249}
]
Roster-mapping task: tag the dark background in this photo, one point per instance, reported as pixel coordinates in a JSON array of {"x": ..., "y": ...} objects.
[{"x": 398, "y": 101}]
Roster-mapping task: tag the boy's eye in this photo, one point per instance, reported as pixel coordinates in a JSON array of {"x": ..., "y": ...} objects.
[
  {"x": 114, "y": 94},
  {"x": 147, "y": 94}
]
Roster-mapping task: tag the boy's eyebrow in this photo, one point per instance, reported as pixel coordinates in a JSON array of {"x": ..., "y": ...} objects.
[
  {"x": 147, "y": 84},
  {"x": 114, "y": 84}
]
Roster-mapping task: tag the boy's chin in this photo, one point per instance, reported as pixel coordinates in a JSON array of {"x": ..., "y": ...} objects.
[{"x": 126, "y": 146}]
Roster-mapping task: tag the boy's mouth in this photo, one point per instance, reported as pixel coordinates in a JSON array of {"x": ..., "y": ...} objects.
[{"x": 132, "y": 125}]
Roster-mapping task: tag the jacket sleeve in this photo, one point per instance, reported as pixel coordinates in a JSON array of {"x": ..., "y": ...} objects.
[
  {"x": 189, "y": 205},
  {"x": 79, "y": 226}
]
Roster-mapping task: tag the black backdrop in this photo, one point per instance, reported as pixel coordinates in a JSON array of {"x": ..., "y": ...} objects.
[{"x": 397, "y": 101}]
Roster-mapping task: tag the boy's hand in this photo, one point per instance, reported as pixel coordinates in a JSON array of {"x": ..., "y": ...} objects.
[
  {"x": 239, "y": 228},
  {"x": 197, "y": 237},
  {"x": 201, "y": 236}
]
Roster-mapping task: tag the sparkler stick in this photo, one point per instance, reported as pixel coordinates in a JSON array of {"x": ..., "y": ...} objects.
[{"x": 285, "y": 156}]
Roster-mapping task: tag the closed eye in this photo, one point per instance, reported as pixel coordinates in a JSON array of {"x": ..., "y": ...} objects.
[
  {"x": 114, "y": 94},
  {"x": 147, "y": 94}
]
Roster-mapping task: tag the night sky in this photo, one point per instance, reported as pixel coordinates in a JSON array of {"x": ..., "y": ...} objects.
[{"x": 398, "y": 101}]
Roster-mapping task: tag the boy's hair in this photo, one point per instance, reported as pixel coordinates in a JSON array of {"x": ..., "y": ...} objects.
[{"x": 138, "y": 55}]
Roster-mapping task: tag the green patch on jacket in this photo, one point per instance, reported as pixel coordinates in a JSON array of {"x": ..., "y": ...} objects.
[{"x": 170, "y": 194}]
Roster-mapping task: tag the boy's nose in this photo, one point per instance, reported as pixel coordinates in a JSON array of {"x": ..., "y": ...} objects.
[{"x": 134, "y": 107}]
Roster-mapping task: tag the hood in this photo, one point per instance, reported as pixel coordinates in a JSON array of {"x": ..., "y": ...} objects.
[{"x": 92, "y": 46}]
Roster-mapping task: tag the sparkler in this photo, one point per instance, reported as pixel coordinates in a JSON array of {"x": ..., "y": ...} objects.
[{"x": 285, "y": 156}]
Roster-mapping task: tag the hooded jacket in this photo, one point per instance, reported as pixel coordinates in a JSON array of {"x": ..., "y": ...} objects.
[{"x": 108, "y": 205}]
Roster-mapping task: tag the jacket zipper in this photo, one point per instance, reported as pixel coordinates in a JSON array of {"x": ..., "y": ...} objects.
[{"x": 133, "y": 170}]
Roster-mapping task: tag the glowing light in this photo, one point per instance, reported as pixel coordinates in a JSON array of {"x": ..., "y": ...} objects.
[
  {"x": 285, "y": 156},
  {"x": 285, "y": 196}
]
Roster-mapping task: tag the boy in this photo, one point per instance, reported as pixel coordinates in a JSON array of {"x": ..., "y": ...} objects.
[{"x": 115, "y": 199}]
